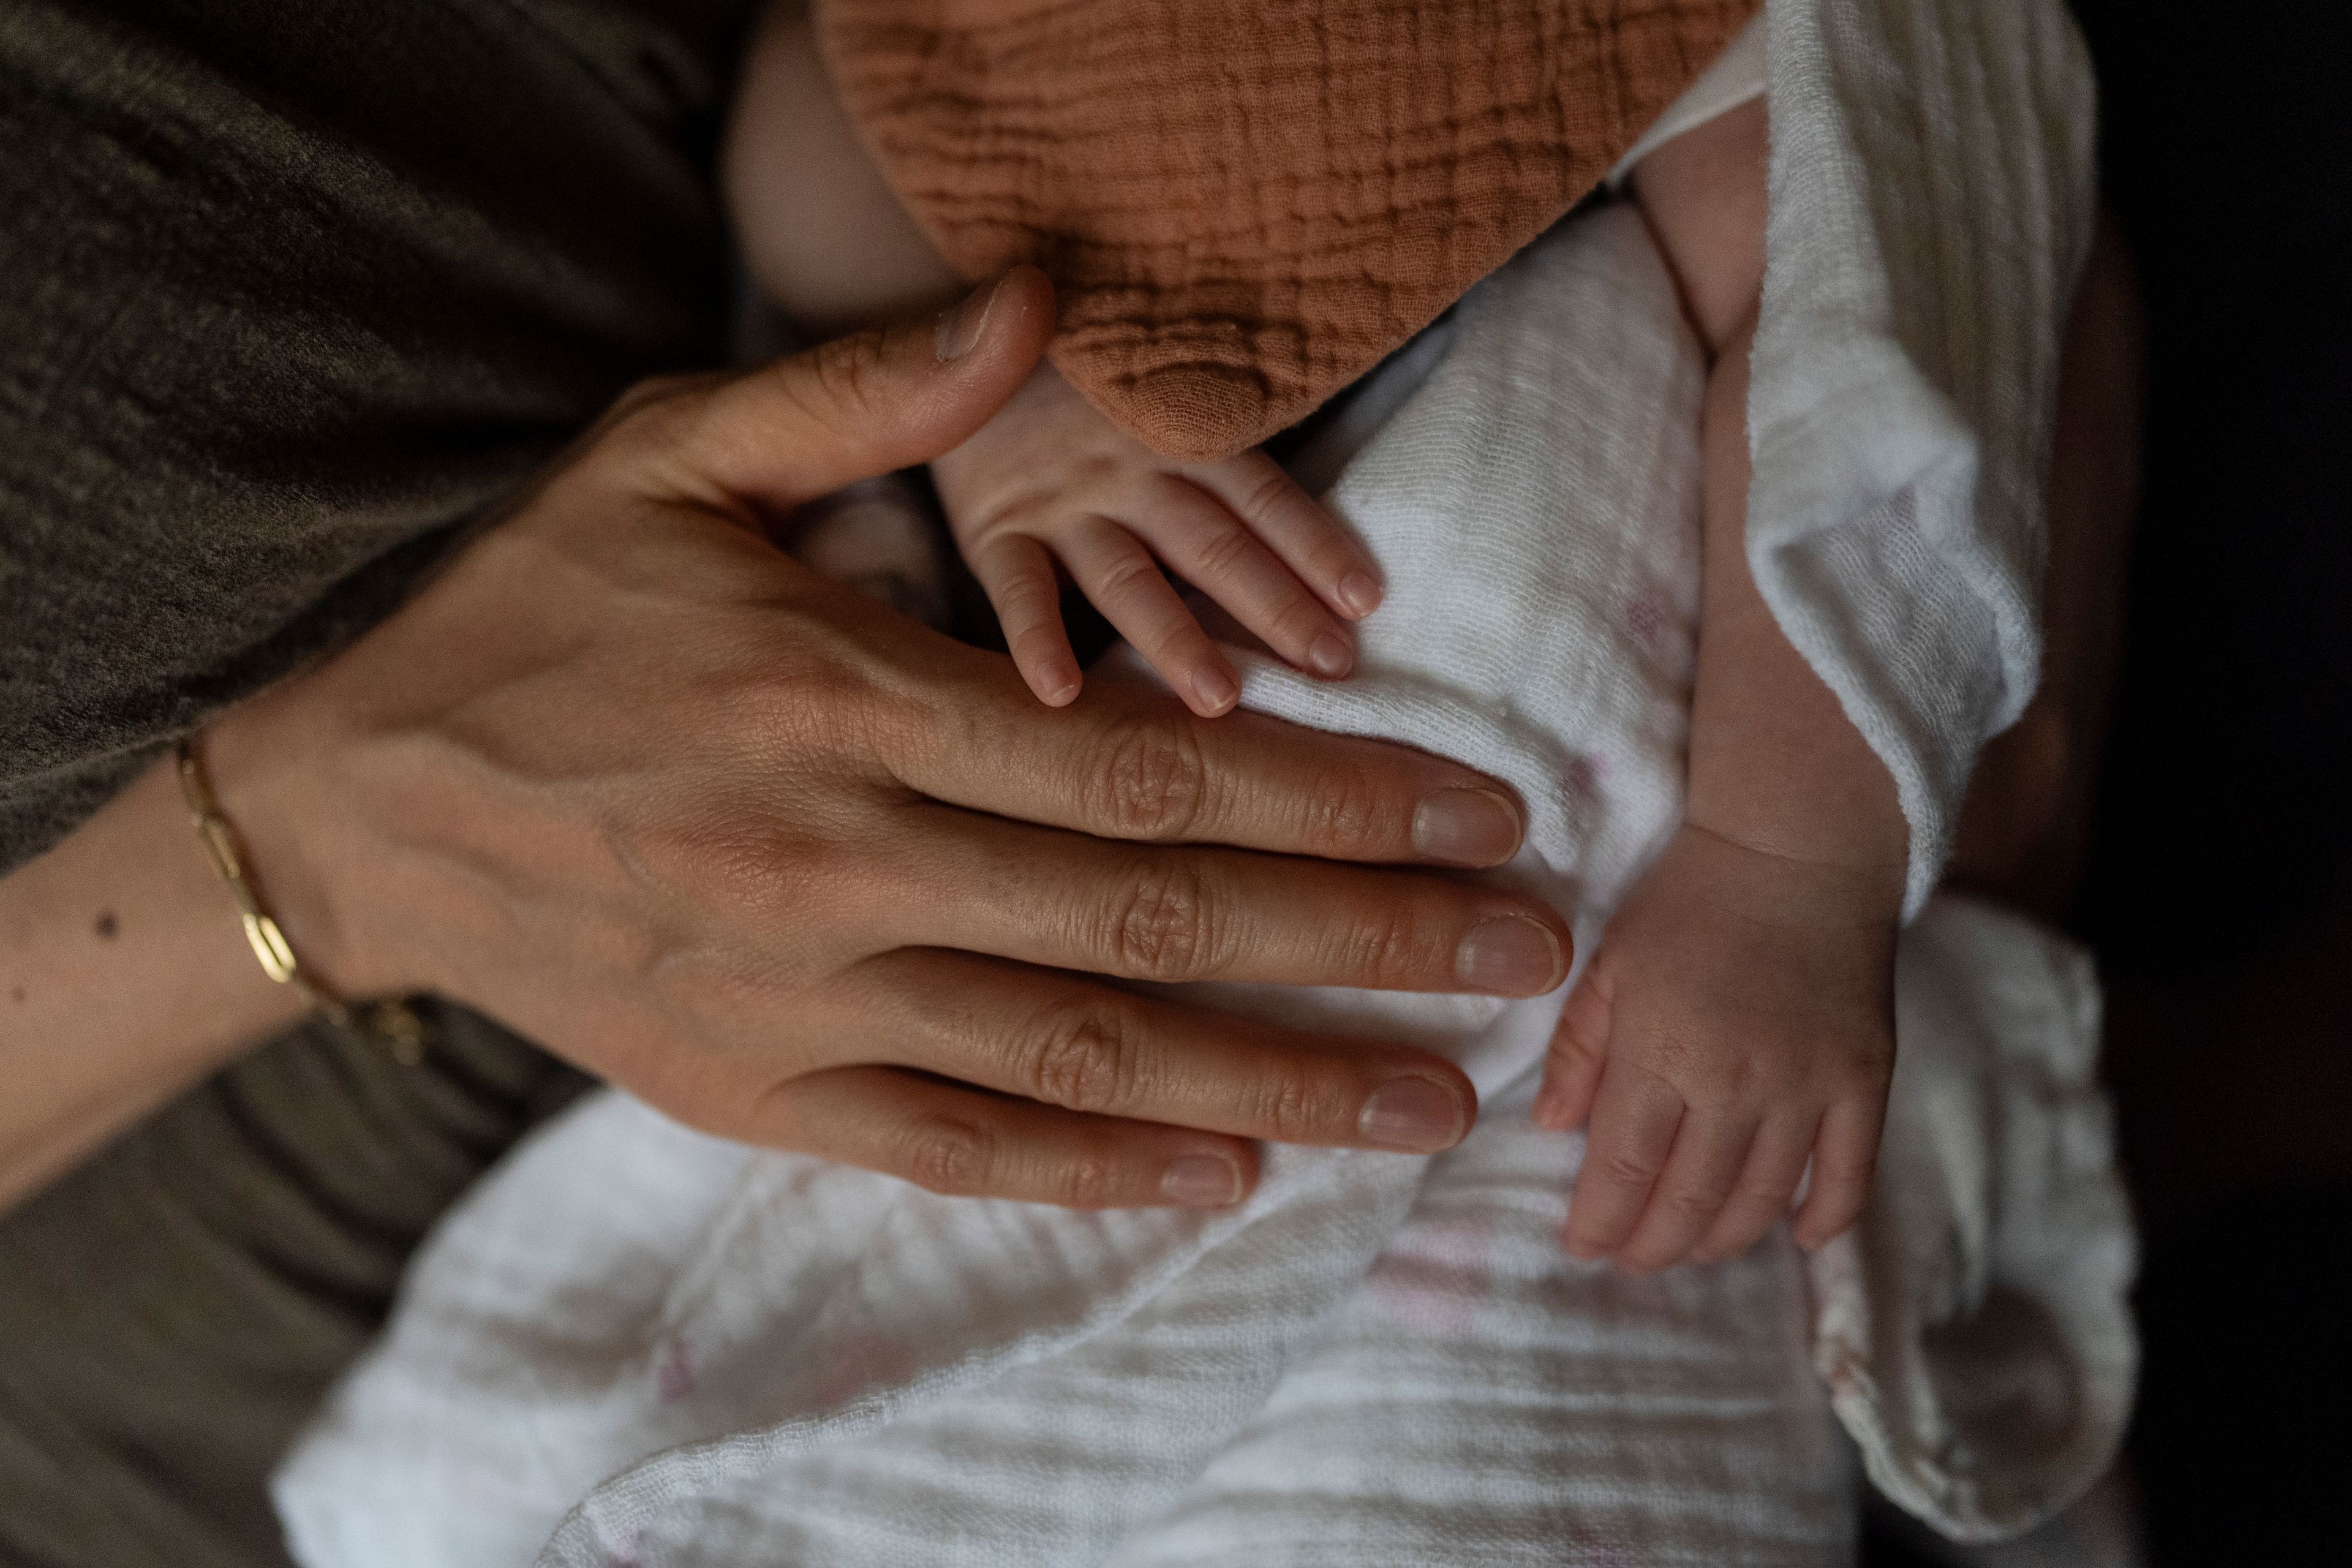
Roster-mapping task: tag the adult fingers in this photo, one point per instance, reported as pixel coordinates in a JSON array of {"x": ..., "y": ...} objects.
[
  {"x": 966, "y": 1142},
  {"x": 1127, "y": 761},
  {"x": 1706, "y": 1160},
  {"x": 1761, "y": 1198},
  {"x": 1151, "y": 913},
  {"x": 1061, "y": 1040},
  {"x": 1017, "y": 575},
  {"x": 1306, "y": 537},
  {"x": 1124, "y": 581},
  {"x": 1845, "y": 1154},
  {"x": 1635, "y": 1118},
  {"x": 1210, "y": 549},
  {"x": 850, "y": 409}
]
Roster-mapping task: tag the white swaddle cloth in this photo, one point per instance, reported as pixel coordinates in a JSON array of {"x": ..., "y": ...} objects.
[{"x": 636, "y": 1345}]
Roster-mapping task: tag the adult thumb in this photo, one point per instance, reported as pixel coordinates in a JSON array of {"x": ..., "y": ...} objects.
[{"x": 867, "y": 404}]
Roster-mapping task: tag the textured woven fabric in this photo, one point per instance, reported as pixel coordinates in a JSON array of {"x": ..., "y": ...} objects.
[
  {"x": 674, "y": 1352},
  {"x": 727, "y": 1356},
  {"x": 1247, "y": 203}
]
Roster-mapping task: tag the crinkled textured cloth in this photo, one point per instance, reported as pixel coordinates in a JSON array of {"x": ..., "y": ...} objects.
[
  {"x": 672, "y": 1352},
  {"x": 1247, "y": 204}
]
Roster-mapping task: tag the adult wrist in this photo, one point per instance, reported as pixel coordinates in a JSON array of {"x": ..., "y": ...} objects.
[{"x": 275, "y": 772}]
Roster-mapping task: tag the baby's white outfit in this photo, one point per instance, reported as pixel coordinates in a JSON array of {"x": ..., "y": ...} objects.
[{"x": 636, "y": 1345}]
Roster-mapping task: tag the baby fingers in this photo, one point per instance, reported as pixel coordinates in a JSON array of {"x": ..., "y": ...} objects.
[
  {"x": 1124, "y": 581},
  {"x": 1579, "y": 1053},
  {"x": 1761, "y": 1199},
  {"x": 1017, "y": 575},
  {"x": 1709, "y": 1150},
  {"x": 1208, "y": 544},
  {"x": 1846, "y": 1155},
  {"x": 1301, "y": 532},
  {"x": 1634, "y": 1120}
]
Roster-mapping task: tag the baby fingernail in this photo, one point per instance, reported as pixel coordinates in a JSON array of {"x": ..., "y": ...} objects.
[
  {"x": 1418, "y": 1115},
  {"x": 1330, "y": 655},
  {"x": 1202, "y": 1182},
  {"x": 1215, "y": 689},
  {"x": 1465, "y": 826},
  {"x": 1511, "y": 956},
  {"x": 962, "y": 323},
  {"x": 1360, "y": 594}
]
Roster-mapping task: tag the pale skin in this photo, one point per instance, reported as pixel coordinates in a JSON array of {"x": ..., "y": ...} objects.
[
  {"x": 786, "y": 865},
  {"x": 1736, "y": 1027}
]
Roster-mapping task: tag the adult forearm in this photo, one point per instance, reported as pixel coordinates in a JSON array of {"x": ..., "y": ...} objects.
[{"x": 124, "y": 977}]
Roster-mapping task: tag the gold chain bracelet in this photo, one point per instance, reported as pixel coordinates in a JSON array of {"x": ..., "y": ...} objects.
[{"x": 392, "y": 1024}]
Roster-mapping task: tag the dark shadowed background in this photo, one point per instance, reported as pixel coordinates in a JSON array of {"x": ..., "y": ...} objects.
[{"x": 2220, "y": 893}]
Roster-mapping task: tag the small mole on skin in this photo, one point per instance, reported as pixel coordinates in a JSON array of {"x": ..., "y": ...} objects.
[
  {"x": 16, "y": 993},
  {"x": 107, "y": 925}
]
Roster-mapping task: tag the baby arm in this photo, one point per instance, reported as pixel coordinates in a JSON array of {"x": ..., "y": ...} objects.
[
  {"x": 1738, "y": 1018},
  {"x": 1049, "y": 489}
]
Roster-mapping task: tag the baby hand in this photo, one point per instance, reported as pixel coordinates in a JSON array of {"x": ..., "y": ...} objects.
[
  {"x": 1736, "y": 1020},
  {"x": 1049, "y": 480}
]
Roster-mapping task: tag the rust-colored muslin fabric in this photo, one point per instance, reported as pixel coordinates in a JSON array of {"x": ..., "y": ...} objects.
[{"x": 1246, "y": 204}]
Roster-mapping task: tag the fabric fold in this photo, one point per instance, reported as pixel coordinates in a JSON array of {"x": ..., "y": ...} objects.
[
  {"x": 1931, "y": 195},
  {"x": 643, "y": 1347}
]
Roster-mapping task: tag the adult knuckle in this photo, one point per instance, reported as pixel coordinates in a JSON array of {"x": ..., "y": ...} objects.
[
  {"x": 1153, "y": 784},
  {"x": 1085, "y": 1062},
  {"x": 653, "y": 393},
  {"x": 1381, "y": 945},
  {"x": 1089, "y": 1180},
  {"x": 655, "y": 415},
  {"x": 1164, "y": 928},
  {"x": 1295, "y": 1103},
  {"x": 846, "y": 373},
  {"x": 949, "y": 1156},
  {"x": 726, "y": 861},
  {"x": 1346, "y": 815}
]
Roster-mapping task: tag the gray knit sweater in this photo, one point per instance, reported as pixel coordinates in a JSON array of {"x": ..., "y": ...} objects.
[{"x": 286, "y": 291}]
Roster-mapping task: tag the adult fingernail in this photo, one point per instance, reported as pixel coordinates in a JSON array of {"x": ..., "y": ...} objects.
[
  {"x": 1465, "y": 826},
  {"x": 1359, "y": 593},
  {"x": 1509, "y": 956},
  {"x": 962, "y": 323},
  {"x": 1331, "y": 655},
  {"x": 1215, "y": 689},
  {"x": 1202, "y": 1182},
  {"x": 1417, "y": 1114}
]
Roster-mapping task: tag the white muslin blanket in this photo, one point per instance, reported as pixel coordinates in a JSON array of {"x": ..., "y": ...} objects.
[{"x": 634, "y": 1345}]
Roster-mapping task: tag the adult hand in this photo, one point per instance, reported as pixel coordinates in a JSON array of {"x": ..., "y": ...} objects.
[{"x": 804, "y": 874}]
